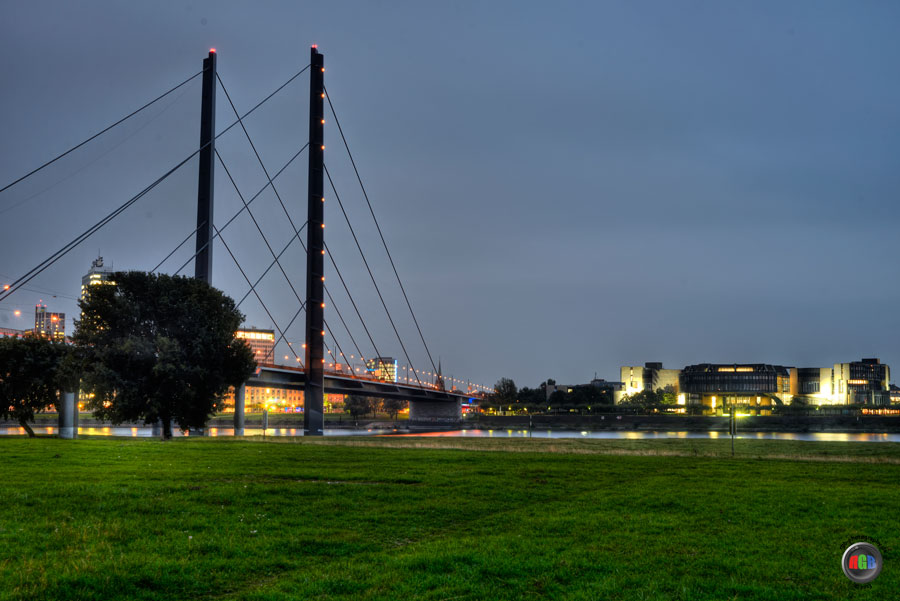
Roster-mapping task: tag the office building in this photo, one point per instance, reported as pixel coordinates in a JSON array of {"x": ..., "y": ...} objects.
[
  {"x": 261, "y": 342},
  {"x": 650, "y": 376},
  {"x": 755, "y": 386},
  {"x": 758, "y": 387},
  {"x": 97, "y": 275},
  {"x": 279, "y": 400},
  {"x": 382, "y": 368},
  {"x": 49, "y": 325},
  {"x": 865, "y": 382}
]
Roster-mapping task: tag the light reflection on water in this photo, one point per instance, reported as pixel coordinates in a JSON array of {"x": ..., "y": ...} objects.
[
  {"x": 147, "y": 432},
  {"x": 660, "y": 434}
]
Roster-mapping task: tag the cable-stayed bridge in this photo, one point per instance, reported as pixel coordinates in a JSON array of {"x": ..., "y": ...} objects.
[{"x": 330, "y": 347}]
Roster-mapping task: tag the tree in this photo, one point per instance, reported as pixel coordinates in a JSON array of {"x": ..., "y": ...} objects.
[
  {"x": 160, "y": 347},
  {"x": 392, "y": 407},
  {"x": 32, "y": 371},
  {"x": 645, "y": 400},
  {"x": 667, "y": 395},
  {"x": 504, "y": 394},
  {"x": 357, "y": 405}
]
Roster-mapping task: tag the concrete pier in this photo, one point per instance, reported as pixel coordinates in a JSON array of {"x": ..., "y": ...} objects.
[
  {"x": 239, "y": 395},
  {"x": 68, "y": 415}
]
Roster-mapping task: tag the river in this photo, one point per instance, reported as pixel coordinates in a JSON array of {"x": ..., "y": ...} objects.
[{"x": 146, "y": 432}]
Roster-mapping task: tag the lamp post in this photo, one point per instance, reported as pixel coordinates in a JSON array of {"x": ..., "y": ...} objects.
[{"x": 733, "y": 428}]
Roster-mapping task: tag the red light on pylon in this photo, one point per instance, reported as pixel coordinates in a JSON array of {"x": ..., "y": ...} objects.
[
  {"x": 212, "y": 50},
  {"x": 315, "y": 46}
]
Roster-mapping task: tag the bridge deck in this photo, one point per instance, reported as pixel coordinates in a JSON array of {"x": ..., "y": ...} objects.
[{"x": 336, "y": 383}]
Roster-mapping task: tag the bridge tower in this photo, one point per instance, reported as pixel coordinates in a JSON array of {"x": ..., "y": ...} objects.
[
  {"x": 203, "y": 260},
  {"x": 314, "y": 392}
]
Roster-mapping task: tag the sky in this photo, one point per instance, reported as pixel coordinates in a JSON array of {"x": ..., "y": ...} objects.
[{"x": 565, "y": 187}]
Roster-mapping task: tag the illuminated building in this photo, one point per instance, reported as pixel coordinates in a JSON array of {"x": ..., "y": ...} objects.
[
  {"x": 96, "y": 276},
  {"x": 279, "y": 400},
  {"x": 754, "y": 386},
  {"x": 858, "y": 382},
  {"x": 757, "y": 387},
  {"x": 49, "y": 325},
  {"x": 651, "y": 376},
  {"x": 261, "y": 342},
  {"x": 382, "y": 368}
]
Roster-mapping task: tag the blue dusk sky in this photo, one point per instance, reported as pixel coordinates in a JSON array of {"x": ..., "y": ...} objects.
[{"x": 565, "y": 187}]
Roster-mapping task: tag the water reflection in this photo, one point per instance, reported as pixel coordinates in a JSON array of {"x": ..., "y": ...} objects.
[{"x": 147, "y": 432}]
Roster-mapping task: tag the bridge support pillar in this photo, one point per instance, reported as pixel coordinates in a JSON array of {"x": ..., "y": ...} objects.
[
  {"x": 240, "y": 394},
  {"x": 206, "y": 171},
  {"x": 435, "y": 415},
  {"x": 314, "y": 389},
  {"x": 68, "y": 415}
]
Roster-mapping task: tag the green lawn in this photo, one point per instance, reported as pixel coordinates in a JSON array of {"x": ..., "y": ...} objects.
[{"x": 437, "y": 518}]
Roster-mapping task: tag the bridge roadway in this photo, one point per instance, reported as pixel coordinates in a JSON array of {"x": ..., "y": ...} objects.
[{"x": 429, "y": 408}]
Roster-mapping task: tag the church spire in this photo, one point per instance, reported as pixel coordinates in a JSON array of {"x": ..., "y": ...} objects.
[{"x": 439, "y": 378}]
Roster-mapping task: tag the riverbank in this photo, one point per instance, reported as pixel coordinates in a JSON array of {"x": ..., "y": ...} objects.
[{"x": 388, "y": 518}]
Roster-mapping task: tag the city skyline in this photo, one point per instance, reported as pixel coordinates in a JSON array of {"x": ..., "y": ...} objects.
[{"x": 695, "y": 185}]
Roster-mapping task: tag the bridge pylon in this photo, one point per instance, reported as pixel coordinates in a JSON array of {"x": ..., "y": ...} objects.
[
  {"x": 314, "y": 392},
  {"x": 206, "y": 175}
]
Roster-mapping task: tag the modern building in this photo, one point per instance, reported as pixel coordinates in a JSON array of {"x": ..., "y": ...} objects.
[
  {"x": 755, "y": 386},
  {"x": 280, "y": 400},
  {"x": 652, "y": 376},
  {"x": 49, "y": 325},
  {"x": 261, "y": 342},
  {"x": 97, "y": 275},
  {"x": 864, "y": 382},
  {"x": 382, "y": 368}
]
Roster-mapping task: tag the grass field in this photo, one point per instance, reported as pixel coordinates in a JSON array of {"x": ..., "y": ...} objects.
[{"x": 432, "y": 518}]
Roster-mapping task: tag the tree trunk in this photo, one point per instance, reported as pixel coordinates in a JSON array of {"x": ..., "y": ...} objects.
[
  {"x": 166, "y": 429},
  {"x": 28, "y": 429}
]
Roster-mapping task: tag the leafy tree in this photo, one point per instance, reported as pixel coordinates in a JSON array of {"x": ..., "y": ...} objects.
[
  {"x": 583, "y": 399},
  {"x": 504, "y": 395},
  {"x": 357, "y": 405},
  {"x": 531, "y": 399},
  {"x": 667, "y": 395},
  {"x": 160, "y": 347},
  {"x": 392, "y": 407},
  {"x": 32, "y": 371},
  {"x": 646, "y": 400}
]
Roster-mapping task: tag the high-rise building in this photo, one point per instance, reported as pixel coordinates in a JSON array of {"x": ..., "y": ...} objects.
[
  {"x": 97, "y": 275},
  {"x": 261, "y": 342},
  {"x": 382, "y": 368},
  {"x": 49, "y": 325}
]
